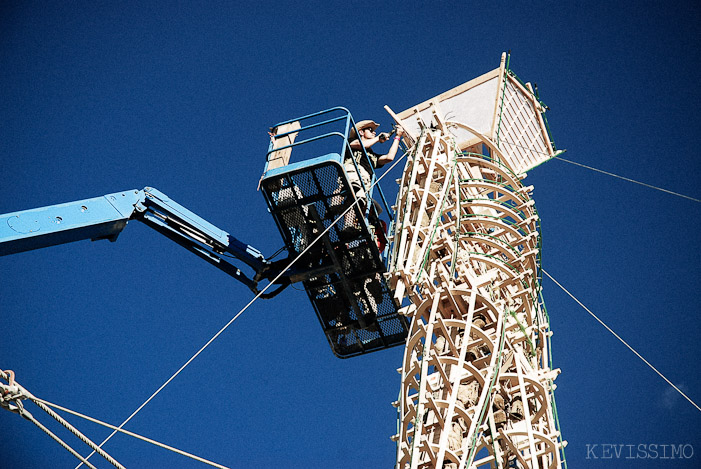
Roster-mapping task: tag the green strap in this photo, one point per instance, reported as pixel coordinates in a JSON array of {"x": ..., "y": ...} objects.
[
  {"x": 438, "y": 220},
  {"x": 503, "y": 95},
  {"x": 473, "y": 443},
  {"x": 523, "y": 330}
]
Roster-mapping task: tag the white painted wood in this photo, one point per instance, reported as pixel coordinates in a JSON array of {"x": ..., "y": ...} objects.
[{"x": 470, "y": 284}]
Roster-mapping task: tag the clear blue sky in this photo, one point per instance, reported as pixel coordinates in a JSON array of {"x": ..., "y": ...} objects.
[{"x": 99, "y": 98}]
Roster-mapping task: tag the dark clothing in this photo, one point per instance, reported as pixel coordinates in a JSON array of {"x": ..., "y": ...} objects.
[{"x": 363, "y": 167}]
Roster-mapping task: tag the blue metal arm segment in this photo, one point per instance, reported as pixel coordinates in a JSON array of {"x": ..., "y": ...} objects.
[
  {"x": 97, "y": 218},
  {"x": 205, "y": 240},
  {"x": 158, "y": 209},
  {"x": 105, "y": 217}
]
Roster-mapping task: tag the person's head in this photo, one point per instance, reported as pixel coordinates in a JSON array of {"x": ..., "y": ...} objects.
[{"x": 366, "y": 129}]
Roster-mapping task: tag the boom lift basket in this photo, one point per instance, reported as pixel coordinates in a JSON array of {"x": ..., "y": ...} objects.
[{"x": 343, "y": 271}]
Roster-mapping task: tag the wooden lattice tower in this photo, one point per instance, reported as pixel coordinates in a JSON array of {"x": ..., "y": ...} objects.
[{"x": 476, "y": 382}]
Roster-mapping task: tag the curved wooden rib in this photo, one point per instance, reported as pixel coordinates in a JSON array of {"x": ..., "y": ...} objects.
[{"x": 466, "y": 254}]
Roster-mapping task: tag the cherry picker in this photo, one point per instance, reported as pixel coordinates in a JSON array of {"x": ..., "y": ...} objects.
[{"x": 335, "y": 245}]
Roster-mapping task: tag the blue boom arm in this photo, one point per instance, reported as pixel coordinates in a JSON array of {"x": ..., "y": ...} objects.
[{"x": 105, "y": 217}]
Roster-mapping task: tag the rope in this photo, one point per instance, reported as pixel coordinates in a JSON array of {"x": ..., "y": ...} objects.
[
  {"x": 629, "y": 180},
  {"x": 15, "y": 392},
  {"x": 258, "y": 295},
  {"x": 65, "y": 445},
  {"x": 126, "y": 432},
  {"x": 624, "y": 342},
  {"x": 78, "y": 434},
  {"x": 604, "y": 172},
  {"x": 22, "y": 393}
]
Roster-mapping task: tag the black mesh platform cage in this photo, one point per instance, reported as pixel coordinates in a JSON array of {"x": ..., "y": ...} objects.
[{"x": 342, "y": 270}]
